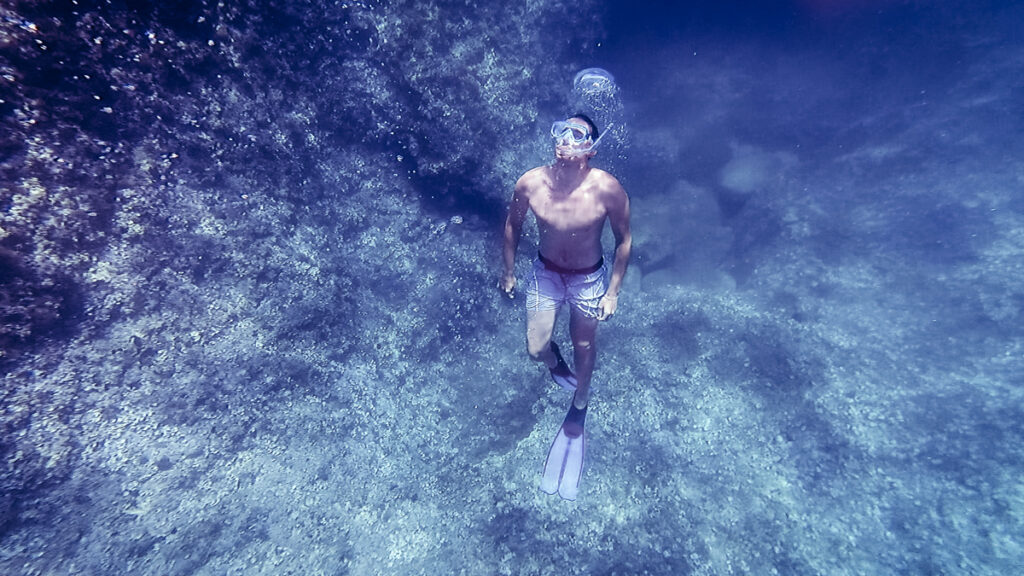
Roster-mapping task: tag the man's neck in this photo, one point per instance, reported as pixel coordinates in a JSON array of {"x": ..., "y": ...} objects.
[
  {"x": 566, "y": 176},
  {"x": 568, "y": 169}
]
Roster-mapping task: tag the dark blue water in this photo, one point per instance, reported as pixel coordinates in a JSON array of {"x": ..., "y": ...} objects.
[{"x": 249, "y": 325}]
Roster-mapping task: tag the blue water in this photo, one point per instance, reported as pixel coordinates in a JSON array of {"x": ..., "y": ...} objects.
[{"x": 248, "y": 257}]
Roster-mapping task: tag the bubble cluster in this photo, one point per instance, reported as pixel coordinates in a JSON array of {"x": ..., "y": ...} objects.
[{"x": 594, "y": 81}]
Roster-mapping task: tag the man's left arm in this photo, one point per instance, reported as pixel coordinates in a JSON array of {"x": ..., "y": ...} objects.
[{"x": 618, "y": 216}]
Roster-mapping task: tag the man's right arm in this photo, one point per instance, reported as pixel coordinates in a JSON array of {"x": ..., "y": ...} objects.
[{"x": 517, "y": 210}]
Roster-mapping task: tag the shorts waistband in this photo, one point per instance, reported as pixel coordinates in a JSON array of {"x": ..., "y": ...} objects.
[{"x": 561, "y": 270}]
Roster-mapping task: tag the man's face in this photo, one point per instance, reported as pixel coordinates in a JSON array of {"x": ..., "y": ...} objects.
[{"x": 572, "y": 138}]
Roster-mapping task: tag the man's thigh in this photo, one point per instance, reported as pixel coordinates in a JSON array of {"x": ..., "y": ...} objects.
[
  {"x": 582, "y": 328},
  {"x": 539, "y": 326}
]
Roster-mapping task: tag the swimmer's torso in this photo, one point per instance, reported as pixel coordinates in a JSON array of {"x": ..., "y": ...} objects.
[{"x": 570, "y": 217}]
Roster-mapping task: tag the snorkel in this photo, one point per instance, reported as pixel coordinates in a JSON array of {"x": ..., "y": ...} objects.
[{"x": 598, "y": 141}]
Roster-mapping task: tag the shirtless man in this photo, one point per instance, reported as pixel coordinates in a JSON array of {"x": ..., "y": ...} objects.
[{"x": 571, "y": 202}]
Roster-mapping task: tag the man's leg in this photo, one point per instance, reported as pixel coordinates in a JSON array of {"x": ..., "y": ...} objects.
[
  {"x": 539, "y": 326},
  {"x": 583, "y": 331}
]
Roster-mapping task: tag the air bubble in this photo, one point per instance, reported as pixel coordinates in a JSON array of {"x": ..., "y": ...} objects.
[{"x": 594, "y": 81}]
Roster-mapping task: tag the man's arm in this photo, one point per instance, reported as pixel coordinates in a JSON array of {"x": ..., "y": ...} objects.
[
  {"x": 618, "y": 216},
  {"x": 517, "y": 210}
]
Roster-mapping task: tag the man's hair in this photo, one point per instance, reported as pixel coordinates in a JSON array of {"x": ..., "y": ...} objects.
[{"x": 593, "y": 127}]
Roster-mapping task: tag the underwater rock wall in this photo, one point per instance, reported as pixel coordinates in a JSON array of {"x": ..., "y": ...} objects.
[
  {"x": 104, "y": 103},
  {"x": 213, "y": 214}
]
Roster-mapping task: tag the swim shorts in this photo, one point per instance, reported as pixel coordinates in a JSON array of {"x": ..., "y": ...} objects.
[{"x": 549, "y": 286}]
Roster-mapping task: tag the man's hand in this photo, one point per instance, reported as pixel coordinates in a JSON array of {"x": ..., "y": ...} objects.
[
  {"x": 507, "y": 284},
  {"x": 607, "y": 307}
]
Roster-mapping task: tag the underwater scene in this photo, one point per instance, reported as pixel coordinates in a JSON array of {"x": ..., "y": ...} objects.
[{"x": 255, "y": 316}]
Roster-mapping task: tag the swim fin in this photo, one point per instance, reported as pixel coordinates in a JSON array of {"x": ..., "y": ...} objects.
[
  {"x": 561, "y": 373},
  {"x": 564, "y": 466}
]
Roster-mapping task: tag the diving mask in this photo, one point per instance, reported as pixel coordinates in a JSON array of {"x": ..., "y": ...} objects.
[
  {"x": 573, "y": 135},
  {"x": 570, "y": 133}
]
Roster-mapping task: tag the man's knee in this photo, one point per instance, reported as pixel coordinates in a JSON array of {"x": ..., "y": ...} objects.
[
  {"x": 583, "y": 344},
  {"x": 536, "y": 350}
]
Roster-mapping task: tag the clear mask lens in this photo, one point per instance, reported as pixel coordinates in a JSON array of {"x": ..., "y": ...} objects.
[{"x": 569, "y": 133}]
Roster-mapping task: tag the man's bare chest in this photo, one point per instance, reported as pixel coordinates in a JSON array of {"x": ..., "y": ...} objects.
[{"x": 579, "y": 210}]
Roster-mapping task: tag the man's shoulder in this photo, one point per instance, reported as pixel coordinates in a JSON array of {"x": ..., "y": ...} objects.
[
  {"x": 532, "y": 178},
  {"x": 606, "y": 182}
]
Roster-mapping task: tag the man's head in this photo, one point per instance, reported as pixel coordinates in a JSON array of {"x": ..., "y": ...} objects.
[
  {"x": 575, "y": 137},
  {"x": 579, "y": 116}
]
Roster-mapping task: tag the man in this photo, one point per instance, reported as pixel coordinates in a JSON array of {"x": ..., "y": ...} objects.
[{"x": 571, "y": 202}]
